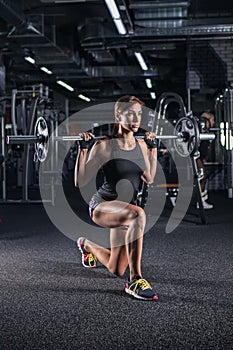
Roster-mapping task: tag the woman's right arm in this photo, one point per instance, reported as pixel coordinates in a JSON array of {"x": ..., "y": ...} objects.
[{"x": 88, "y": 163}]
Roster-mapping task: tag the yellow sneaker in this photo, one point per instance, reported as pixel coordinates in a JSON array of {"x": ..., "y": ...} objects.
[
  {"x": 140, "y": 288},
  {"x": 88, "y": 259}
]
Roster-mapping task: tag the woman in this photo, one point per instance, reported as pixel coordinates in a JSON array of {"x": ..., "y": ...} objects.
[{"x": 123, "y": 157}]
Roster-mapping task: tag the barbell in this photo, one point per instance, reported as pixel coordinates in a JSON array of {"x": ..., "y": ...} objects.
[{"x": 186, "y": 138}]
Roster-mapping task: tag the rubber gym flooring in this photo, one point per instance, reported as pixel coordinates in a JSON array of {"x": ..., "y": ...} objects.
[{"x": 49, "y": 301}]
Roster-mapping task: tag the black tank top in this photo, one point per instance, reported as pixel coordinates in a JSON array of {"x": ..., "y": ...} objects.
[{"x": 128, "y": 165}]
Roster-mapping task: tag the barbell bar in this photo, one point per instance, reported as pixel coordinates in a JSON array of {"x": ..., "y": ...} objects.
[
  {"x": 24, "y": 139},
  {"x": 186, "y": 135}
]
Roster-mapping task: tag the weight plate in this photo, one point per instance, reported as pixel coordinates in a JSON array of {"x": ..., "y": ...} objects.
[
  {"x": 189, "y": 145},
  {"x": 41, "y": 146}
]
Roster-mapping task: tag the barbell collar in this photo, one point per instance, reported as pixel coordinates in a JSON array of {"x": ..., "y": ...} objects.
[{"x": 207, "y": 137}]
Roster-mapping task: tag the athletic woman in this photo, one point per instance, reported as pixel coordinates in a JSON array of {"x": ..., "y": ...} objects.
[{"x": 122, "y": 157}]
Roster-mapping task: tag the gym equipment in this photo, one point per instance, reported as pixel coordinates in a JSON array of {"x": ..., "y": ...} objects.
[
  {"x": 41, "y": 148},
  {"x": 226, "y": 137},
  {"x": 25, "y": 105},
  {"x": 170, "y": 107},
  {"x": 186, "y": 136}
]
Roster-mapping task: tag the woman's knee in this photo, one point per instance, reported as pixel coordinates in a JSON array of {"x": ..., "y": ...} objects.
[
  {"x": 117, "y": 270},
  {"x": 136, "y": 212}
]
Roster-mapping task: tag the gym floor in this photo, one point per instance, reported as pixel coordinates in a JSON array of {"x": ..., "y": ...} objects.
[{"x": 49, "y": 301}]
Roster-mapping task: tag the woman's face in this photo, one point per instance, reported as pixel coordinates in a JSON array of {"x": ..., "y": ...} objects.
[{"x": 130, "y": 119}]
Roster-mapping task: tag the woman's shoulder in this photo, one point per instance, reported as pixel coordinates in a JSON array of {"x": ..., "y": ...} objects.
[
  {"x": 101, "y": 140},
  {"x": 102, "y": 143},
  {"x": 141, "y": 142}
]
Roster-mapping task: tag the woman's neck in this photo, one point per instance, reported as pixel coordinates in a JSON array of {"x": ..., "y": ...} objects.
[
  {"x": 126, "y": 140},
  {"x": 126, "y": 135}
]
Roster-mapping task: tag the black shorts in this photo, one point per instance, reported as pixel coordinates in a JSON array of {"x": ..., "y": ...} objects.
[{"x": 95, "y": 200}]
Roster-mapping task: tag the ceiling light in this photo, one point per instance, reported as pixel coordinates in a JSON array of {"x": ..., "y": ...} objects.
[
  {"x": 46, "y": 70},
  {"x": 141, "y": 60},
  {"x": 112, "y": 8},
  {"x": 149, "y": 83},
  {"x": 152, "y": 95},
  {"x": 68, "y": 87},
  {"x": 116, "y": 16},
  {"x": 85, "y": 98},
  {"x": 120, "y": 26},
  {"x": 30, "y": 59}
]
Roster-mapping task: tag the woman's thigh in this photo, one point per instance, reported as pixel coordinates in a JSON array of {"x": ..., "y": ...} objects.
[{"x": 114, "y": 214}]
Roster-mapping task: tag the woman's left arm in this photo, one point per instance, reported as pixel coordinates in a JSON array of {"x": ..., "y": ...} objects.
[
  {"x": 149, "y": 150},
  {"x": 152, "y": 157}
]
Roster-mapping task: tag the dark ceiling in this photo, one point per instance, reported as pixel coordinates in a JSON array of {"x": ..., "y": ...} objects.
[{"x": 79, "y": 43}]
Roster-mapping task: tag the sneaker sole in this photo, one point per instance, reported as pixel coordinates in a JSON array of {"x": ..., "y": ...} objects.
[{"x": 135, "y": 295}]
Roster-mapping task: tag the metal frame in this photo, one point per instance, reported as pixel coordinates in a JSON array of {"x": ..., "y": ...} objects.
[{"x": 34, "y": 92}]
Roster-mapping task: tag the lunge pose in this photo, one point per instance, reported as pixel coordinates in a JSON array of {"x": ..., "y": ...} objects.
[{"x": 122, "y": 157}]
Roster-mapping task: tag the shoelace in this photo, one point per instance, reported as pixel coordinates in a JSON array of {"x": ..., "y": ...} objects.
[
  {"x": 90, "y": 257},
  {"x": 143, "y": 284}
]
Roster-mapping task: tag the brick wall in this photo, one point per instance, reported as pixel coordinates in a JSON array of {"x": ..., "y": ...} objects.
[
  {"x": 224, "y": 49},
  {"x": 194, "y": 80},
  {"x": 211, "y": 71},
  {"x": 208, "y": 68}
]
